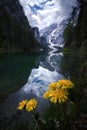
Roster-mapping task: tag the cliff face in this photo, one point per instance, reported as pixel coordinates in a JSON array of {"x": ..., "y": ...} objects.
[
  {"x": 81, "y": 29},
  {"x": 76, "y": 41},
  {"x": 15, "y": 32},
  {"x": 76, "y": 37}
]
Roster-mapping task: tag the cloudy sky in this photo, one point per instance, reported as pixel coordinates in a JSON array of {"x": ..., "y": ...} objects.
[{"x": 42, "y": 13}]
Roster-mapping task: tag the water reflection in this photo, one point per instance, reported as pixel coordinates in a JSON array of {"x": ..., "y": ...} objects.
[{"x": 47, "y": 71}]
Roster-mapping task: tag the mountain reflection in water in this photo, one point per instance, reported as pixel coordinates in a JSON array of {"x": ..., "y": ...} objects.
[{"x": 47, "y": 71}]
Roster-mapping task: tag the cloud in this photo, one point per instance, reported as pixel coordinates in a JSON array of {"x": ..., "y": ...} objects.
[{"x": 43, "y": 13}]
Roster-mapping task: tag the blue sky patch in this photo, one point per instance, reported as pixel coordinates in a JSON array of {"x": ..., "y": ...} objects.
[{"x": 35, "y": 8}]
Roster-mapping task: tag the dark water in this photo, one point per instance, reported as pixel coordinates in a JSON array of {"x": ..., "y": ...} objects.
[
  {"x": 14, "y": 71},
  {"x": 32, "y": 74}
]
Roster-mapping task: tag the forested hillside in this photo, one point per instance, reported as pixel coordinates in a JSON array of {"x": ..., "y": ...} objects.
[{"x": 15, "y": 32}]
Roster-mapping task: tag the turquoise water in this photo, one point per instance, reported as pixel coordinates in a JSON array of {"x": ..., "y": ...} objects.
[{"x": 14, "y": 71}]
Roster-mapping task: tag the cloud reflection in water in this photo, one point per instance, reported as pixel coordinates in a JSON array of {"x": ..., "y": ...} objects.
[{"x": 47, "y": 72}]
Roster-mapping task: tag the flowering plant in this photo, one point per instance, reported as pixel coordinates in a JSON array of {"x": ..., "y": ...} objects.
[
  {"x": 57, "y": 95},
  {"x": 29, "y": 105},
  {"x": 57, "y": 91}
]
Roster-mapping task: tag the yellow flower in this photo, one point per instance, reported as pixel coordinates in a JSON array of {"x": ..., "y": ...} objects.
[
  {"x": 22, "y": 104},
  {"x": 54, "y": 86},
  {"x": 31, "y": 104},
  {"x": 47, "y": 94},
  {"x": 57, "y": 91},
  {"x": 65, "y": 84},
  {"x": 59, "y": 95}
]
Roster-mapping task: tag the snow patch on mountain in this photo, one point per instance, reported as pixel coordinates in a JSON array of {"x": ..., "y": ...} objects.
[{"x": 49, "y": 16}]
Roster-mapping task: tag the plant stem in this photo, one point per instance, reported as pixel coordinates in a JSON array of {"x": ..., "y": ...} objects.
[{"x": 52, "y": 114}]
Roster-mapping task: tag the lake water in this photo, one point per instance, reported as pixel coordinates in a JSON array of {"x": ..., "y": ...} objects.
[
  {"x": 14, "y": 71},
  {"x": 25, "y": 76}
]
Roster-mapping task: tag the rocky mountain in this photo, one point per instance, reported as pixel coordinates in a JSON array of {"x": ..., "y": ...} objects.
[
  {"x": 76, "y": 36},
  {"x": 76, "y": 41},
  {"x": 15, "y": 32},
  {"x": 41, "y": 39},
  {"x": 54, "y": 34}
]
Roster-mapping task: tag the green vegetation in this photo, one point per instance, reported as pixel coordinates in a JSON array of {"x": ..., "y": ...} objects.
[
  {"x": 15, "y": 32},
  {"x": 61, "y": 107},
  {"x": 74, "y": 64},
  {"x": 76, "y": 42},
  {"x": 76, "y": 67}
]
